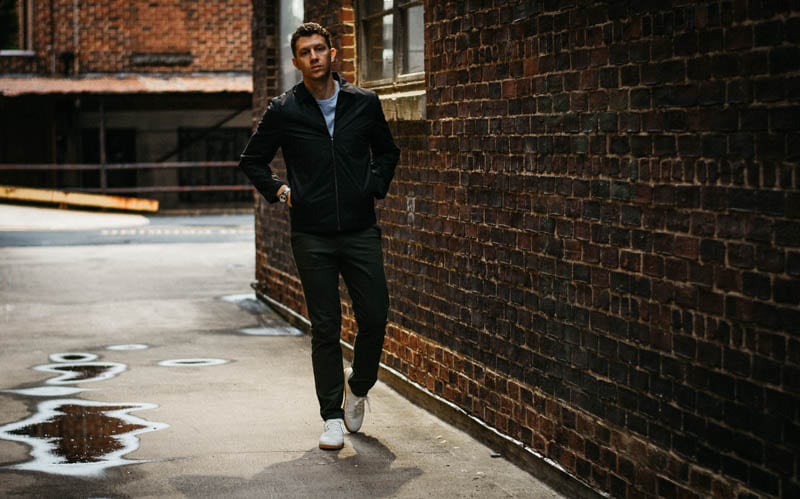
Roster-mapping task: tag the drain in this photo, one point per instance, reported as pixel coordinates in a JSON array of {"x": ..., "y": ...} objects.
[
  {"x": 79, "y": 437},
  {"x": 192, "y": 362},
  {"x": 132, "y": 346},
  {"x": 72, "y": 357},
  {"x": 81, "y": 372}
]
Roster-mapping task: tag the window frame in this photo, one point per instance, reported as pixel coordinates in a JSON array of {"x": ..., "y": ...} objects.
[
  {"x": 399, "y": 31},
  {"x": 25, "y": 30}
]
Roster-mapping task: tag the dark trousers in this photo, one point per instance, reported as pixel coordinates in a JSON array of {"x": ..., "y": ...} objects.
[{"x": 358, "y": 258}]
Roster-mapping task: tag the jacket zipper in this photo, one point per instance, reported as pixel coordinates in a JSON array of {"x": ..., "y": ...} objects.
[
  {"x": 336, "y": 187},
  {"x": 333, "y": 165}
]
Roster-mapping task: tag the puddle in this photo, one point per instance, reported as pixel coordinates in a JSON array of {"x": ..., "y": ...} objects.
[
  {"x": 249, "y": 303},
  {"x": 268, "y": 323},
  {"x": 47, "y": 391},
  {"x": 241, "y": 298},
  {"x": 271, "y": 331},
  {"x": 192, "y": 362},
  {"x": 79, "y": 437},
  {"x": 73, "y": 357},
  {"x": 81, "y": 372},
  {"x": 82, "y": 438},
  {"x": 132, "y": 346}
]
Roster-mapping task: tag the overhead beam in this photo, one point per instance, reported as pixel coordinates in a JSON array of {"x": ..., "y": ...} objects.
[{"x": 77, "y": 199}]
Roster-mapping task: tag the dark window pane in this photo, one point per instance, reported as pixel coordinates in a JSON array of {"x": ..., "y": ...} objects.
[
  {"x": 376, "y": 6},
  {"x": 9, "y": 24}
]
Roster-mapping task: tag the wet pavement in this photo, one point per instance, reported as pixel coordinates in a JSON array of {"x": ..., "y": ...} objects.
[
  {"x": 145, "y": 368},
  {"x": 34, "y": 226}
]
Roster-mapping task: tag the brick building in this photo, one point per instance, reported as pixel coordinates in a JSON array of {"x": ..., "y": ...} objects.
[
  {"x": 152, "y": 81},
  {"x": 593, "y": 237}
]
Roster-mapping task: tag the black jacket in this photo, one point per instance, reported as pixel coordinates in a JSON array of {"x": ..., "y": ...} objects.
[{"x": 334, "y": 181}]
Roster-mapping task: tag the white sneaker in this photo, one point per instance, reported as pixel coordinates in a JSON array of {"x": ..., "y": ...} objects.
[
  {"x": 332, "y": 437},
  {"x": 353, "y": 405}
]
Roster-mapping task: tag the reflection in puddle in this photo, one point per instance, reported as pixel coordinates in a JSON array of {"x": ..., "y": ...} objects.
[
  {"x": 271, "y": 331},
  {"x": 245, "y": 300},
  {"x": 268, "y": 323},
  {"x": 192, "y": 362},
  {"x": 47, "y": 391},
  {"x": 81, "y": 372},
  {"x": 80, "y": 437}
]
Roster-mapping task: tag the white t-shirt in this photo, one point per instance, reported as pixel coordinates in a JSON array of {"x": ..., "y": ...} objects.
[{"x": 328, "y": 107}]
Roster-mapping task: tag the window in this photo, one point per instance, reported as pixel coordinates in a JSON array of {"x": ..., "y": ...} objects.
[
  {"x": 16, "y": 20},
  {"x": 291, "y": 18},
  {"x": 392, "y": 43}
]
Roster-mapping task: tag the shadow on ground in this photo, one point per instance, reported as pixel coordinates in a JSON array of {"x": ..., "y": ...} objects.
[{"x": 317, "y": 473}]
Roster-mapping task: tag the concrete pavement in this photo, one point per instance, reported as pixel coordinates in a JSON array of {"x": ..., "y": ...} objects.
[{"x": 190, "y": 388}]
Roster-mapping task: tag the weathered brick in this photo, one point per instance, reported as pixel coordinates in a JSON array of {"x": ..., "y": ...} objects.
[
  {"x": 213, "y": 37},
  {"x": 664, "y": 145},
  {"x": 784, "y": 59},
  {"x": 793, "y": 263},
  {"x": 630, "y": 207},
  {"x": 769, "y": 90}
]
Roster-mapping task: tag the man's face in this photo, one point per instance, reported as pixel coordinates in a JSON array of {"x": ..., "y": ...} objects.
[{"x": 313, "y": 57}]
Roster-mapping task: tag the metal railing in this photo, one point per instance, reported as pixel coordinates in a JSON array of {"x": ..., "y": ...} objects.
[{"x": 104, "y": 168}]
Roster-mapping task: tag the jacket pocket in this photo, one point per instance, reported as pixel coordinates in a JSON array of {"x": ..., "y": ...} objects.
[{"x": 371, "y": 183}]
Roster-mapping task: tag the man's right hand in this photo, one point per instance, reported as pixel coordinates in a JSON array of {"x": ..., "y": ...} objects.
[{"x": 285, "y": 189}]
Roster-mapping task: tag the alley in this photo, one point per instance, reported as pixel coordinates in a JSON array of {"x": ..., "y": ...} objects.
[{"x": 144, "y": 359}]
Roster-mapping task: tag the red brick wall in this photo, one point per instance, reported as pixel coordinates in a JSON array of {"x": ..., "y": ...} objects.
[
  {"x": 265, "y": 53},
  {"x": 338, "y": 16},
  {"x": 593, "y": 240},
  {"x": 270, "y": 223},
  {"x": 212, "y": 35}
]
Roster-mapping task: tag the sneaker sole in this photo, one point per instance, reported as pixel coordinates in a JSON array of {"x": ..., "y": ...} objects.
[{"x": 331, "y": 447}]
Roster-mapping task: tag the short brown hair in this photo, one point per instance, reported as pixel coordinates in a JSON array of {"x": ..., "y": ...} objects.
[{"x": 308, "y": 29}]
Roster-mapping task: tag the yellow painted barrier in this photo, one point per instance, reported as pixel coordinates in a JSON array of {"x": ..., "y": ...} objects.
[{"x": 78, "y": 199}]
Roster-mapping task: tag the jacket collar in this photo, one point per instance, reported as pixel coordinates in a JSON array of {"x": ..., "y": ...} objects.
[{"x": 302, "y": 92}]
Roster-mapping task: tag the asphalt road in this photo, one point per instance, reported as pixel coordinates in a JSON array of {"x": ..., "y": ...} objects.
[
  {"x": 139, "y": 365},
  {"x": 47, "y": 227}
]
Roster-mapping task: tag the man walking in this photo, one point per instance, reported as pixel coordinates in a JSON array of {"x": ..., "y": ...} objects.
[{"x": 340, "y": 157}]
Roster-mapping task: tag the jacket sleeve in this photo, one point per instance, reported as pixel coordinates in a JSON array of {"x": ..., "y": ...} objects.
[
  {"x": 259, "y": 152},
  {"x": 385, "y": 154}
]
